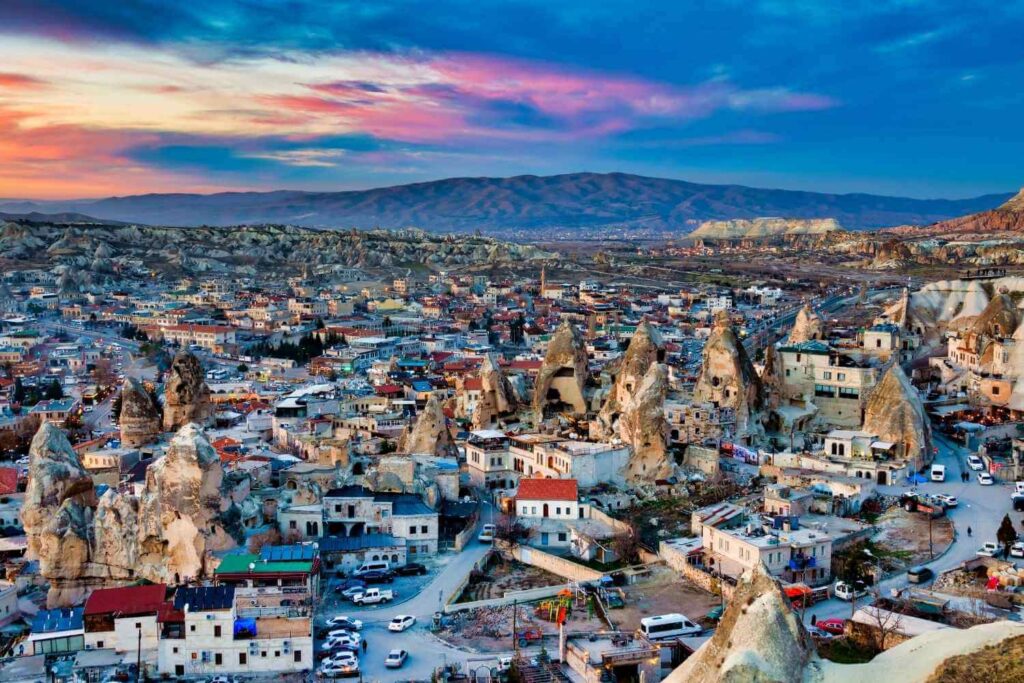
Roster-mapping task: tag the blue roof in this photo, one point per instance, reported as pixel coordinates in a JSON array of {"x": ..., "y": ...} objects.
[
  {"x": 63, "y": 404},
  {"x": 352, "y": 543},
  {"x": 57, "y": 620},
  {"x": 288, "y": 553},
  {"x": 809, "y": 346},
  {"x": 412, "y": 363},
  {"x": 422, "y": 385}
]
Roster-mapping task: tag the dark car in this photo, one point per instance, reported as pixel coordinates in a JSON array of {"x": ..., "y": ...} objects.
[
  {"x": 411, "y": 569},
  {"x": 377, "y": 576},
  {"x": 919, "y": 574},
  {"x": 349, "y": 583}
]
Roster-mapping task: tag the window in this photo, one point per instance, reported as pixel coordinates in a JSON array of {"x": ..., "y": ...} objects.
[
  {"x": 293, "y": 524},
  {"x": 827, "y": 374},
  {"x": 412, "y": 529},
  {"x": 99, "y": 644},
  {"x": 561, "y": 536},
  {"x": 995, "y": 391},
  {"x": 218, "y": 658},
  {"x": 242, "y": 659},
  {"x": 192, "y": 628},
  {"x": 423, "y": 529},
  {"x": 216, "y": 631},
  {"x": 298, "y": 656},
  {"x": 841, "y": 376},
  {"x": 277, "y": 653}
]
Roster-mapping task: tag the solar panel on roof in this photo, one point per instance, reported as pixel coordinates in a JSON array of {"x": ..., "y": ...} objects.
[{"x": 288, "y": 553}]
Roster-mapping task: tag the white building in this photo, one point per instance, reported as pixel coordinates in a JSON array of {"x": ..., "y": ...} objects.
[{"x": 589, "y": 463}]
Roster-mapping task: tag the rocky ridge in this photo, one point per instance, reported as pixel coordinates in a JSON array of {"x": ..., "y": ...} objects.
[{"x": 757, "y": 228}]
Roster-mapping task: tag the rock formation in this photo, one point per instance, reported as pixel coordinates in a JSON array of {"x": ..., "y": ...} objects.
[
  {"x": 760, "y": 639},
  {"x": 186, "y": 396},
  {"x": 999, "y": 320},
  {"x": 163, "y": 535},
  {"x": 430, "y": 434},
  {"x": 562, "y": 378},
  {"x": 894, "y": 412},
  {"x": 645, "y": 349},
  {"x": 497, "y": 397},
  {"x": 754, "y": 228},
  {"x": 139, "y": 418},
  {"x": 727, "y": 378},
  {"x": 645, "y": 428},
  {"x": 808, "y": 325}
]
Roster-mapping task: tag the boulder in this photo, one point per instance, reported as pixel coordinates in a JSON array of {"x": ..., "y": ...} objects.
[
  {"x": 562, "y": 377},
  {"x": 139, "y": 418},
  {"x": 186, "y": 396}
]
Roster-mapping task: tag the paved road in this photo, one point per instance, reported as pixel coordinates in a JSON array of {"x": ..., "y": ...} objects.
[
  {"x": 426, "y": 651},
  {"x": 980, "y": 507}
]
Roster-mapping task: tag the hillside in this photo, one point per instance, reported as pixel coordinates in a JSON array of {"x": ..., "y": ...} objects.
[
  {"x": 1008, "y": 217},
  {"x": 520, "y": 204},
  {"x": 764, "y": 227}
]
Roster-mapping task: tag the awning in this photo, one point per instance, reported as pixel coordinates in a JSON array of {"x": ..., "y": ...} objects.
[
  {"x": 882, "y": 445},
  {"x": 970, "y": 426},
  {"x": 942, "y": 411}
]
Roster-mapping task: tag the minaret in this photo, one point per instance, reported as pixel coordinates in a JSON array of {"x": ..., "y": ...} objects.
[{"x": 543, "y": 277}]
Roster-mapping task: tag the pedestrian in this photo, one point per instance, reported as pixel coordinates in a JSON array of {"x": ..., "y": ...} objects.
[
  {"x": 968, "y": 531},
  {"x": 364, "y": 639}
]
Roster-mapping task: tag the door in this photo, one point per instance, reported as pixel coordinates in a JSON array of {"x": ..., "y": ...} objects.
[{"x": 544, "y": 537}]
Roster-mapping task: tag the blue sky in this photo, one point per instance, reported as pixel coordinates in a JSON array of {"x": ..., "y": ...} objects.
[{"x": 904, "y": 98}]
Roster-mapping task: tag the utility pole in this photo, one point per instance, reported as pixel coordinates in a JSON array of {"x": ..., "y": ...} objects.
[
  {"x": 515, "y": 628},
  {"x": 138, "y": 657}
]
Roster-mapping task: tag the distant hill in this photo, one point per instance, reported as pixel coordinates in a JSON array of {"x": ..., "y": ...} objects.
[
  {"x": 1008, "y": 217},
  {"x": 764, "y": 227},
  {"x": 65, "y": 217},
  {"x": 588, "y": 201}
]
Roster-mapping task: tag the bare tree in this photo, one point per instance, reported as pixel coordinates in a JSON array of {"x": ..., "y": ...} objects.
[
  {"x": 883, "y": 623},
  {"x": 103, "y": 373},
  {"x": 627, "y": 545},
  {"x": 511, "y": 530}
]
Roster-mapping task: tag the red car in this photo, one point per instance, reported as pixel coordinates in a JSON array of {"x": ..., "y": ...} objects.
[{"x": 834, "y": 626}]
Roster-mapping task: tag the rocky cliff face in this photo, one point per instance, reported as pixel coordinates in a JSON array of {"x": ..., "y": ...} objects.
[
  {"x": 139, "y": 418},
  {"x": 894, "y": 412},
  {"x": 430, "y": 433},
  {"x": 727, "y": 378},
  {"x": 186, "y": 396},
  {"x": 1008, "y": 217},
  {"x": 758, "y": 228},
  {"x": 562, "y": 378},
  {"x": 161, "y": 536},
  {"x": 645, "y": 428},
  {"x": 808, "y": 325}
]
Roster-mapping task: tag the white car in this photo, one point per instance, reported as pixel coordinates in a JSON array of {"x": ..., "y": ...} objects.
[
  {"x": 401, "y": 623},
  {"x": 975, "y": 463},
  {"x": 396, "y": 658},
  {"x": 947, "y": 500},
  {"x": 985, "y": 479},
  {"x": 345, "y": 642},
  {"x": 487, "y": 533},
  {"x": 341, "y": 659},
  {"x": 1017, "y": 550},
  {"x": 328, "y": 670},
  {"x": 343, "y": 634},
  {"x": 345, "y": 623}
]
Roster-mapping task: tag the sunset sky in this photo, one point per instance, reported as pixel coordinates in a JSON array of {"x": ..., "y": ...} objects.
[{"x": 113, "y": 98}]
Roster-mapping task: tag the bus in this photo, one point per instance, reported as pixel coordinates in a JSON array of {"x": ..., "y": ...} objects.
[{"x": 668, "y": 626}]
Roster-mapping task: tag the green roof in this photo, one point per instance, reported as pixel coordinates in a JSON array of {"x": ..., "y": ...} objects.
[{"x": 239, "y": 564}]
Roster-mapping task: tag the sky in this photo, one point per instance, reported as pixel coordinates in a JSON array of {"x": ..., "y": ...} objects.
[{"x": 122, "y": 97}]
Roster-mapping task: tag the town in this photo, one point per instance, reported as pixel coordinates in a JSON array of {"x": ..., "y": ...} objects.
[{"x": 510, "y": 467}]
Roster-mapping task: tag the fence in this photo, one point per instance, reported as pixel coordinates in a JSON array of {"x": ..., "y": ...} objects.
[
  {"x": 567, "y": 569},
  {"x": 467, "y": 535},
  {"x": 527, "y": 595}
]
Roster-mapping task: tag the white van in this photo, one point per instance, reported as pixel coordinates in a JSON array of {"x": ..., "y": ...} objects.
[
  {"x": 1018, "y": 487},
  {"x": 938, "y": 473},
  {"x": 668, "y": 626},
  {"x": 376, "y": 565}
]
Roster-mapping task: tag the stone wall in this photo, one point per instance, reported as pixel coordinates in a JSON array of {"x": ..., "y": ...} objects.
[
  {"x": 695, "y": 574},
  {"x": 567, "y": 569}
]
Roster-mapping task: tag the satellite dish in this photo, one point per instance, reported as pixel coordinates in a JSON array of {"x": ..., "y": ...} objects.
[{"x": 252, "y": 566}]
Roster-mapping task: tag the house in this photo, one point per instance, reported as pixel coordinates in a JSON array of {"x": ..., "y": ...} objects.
[
  {"x": 349, "y": 552},
  {"x": 9, "y": 610},
  {"x": 57, "y": 631},
  {"x": 355, "y": 510},
  {"x": 788, "y": 551},
  {"x": 56, "y": 411},
  {"x": 589, "y": 463},
  {"x": 550, "y": 498},
  {"x": 123, "y": 619},
  {"x": 489, "y": 461},
  {"x": 230, "y": 629}
]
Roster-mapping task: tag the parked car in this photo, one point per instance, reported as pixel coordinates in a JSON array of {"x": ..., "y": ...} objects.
[
  {"x": 373, "y": 596},
  {"x": 396, "y": 658},
  {"x": 330, "y": 670},
  {"x": 345, "y": 622},
  {"x": 342, "y": 658},
  {"x": 487, "y": 533},
  {"x": 345, "y": 633},
  {"x": 834, "y": 625},
  {"x": 1017, "y": 550},
  {"x": 401, "y": 623},
  {"x": 947, "y": 500},
  {"x": 985, "y": 479},
  {"x": 846, "y": 591},
  {"x": 378, "y": 576},
  {"x": 350, "y": 593},
  {"x": 989, "y": 549},
  {"x": 341, "y": 642},
  {"x": 975, "y": 463},
  {"x": 820, "y": 633},
  {"x": 411, "y": 569},
  {"x": 919, "y": 574}
]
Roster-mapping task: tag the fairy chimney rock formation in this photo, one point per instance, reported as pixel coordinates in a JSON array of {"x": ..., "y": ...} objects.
[
  {"x": 186, "y": 396},
  {"x": 644, "y": 351},
  {"x": 727, "y": 378},
  {"x": 563, "y": 375},
  {"x": 807, "y": 326},
  {"x": 759, "y": 639},
  {"x": 139, "y": 419},
  {"x": 645, "y": 428},
  {"x": 430, "y": 433},
  {"x": 894, "y": 412},
  {"x": 497, "y": 397}
]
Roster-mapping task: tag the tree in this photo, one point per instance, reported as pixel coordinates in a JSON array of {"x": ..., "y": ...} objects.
[
  {"x": 242, "y": 368},
  {"x": 53, "y": 391},
  {"x": 627, "y": 545},
  {"x": 269, "y": 537},
  {"x": 103, "y": 372},
  {"x": 883, "y": 623},
  {"x": 20, "y": 394},
  {"x": 511, "y": 530},
  {"x": 1006, "y": 534}
]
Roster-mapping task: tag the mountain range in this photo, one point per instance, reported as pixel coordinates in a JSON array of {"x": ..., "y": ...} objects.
[{"x": 521, "y": 204}]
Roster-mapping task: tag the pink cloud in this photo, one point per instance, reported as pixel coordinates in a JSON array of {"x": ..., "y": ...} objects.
[{"x": 19, "y": 81}]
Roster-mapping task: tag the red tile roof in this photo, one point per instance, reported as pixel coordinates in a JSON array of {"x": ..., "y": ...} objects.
[
  {"x": 547, "y": 489},
  {"x": 8, "y": 480},
  {"x": 126, "y": 601}
]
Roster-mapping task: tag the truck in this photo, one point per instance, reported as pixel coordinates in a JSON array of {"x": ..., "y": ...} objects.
[
  {"x": 912, "y": 502},
  {"x": 801, "y": 595},
  {"x": 373, "y": 596}
]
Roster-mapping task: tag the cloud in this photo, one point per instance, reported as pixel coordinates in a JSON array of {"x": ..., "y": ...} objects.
[{"x": 19, "y": 81}]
